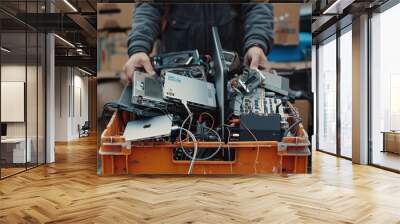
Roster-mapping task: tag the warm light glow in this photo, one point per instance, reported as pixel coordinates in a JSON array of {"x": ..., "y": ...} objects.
[
  {"x": 84, "y": 71},
  {"x": 327, "y": 11},
  {"x": 5, "y": 50},
  {"x": 64, "y": 40},
  {"x": 70, "y": 5}
]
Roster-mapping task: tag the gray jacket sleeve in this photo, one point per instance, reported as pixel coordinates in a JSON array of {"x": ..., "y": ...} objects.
[
  {"x": 145, "y": 28},
  {"x": 258, "y": 26}
]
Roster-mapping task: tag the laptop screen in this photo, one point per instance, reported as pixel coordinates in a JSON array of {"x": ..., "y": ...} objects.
[{"x": 220, "y": 75}]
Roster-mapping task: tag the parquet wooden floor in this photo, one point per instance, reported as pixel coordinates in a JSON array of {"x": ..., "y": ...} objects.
[{"x": 69, "y": 191}]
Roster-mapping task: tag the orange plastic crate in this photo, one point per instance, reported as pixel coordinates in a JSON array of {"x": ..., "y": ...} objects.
[{"x": 116, "y": 156}]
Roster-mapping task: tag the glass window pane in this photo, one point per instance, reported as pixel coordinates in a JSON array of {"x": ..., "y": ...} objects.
[
  {"x": 385, "y": 84},
  {"x": 14, "y": 153},
  {"x": 41, "y": 99},
  {"x": 327, "y": 97},
  {"x": 22, "y": 63},
  {"x": 31, "y": 97},
  {"x": 346, "y": 94}
]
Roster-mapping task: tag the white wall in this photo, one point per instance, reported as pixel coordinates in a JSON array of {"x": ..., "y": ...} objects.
[
  {"x": 61, "y": 103},
  {"x": 80, "y": 100},
  {"x": 12, "y": 73},
  {"x": 33, "y": 127},
  {"x": 71, "y": 93}
]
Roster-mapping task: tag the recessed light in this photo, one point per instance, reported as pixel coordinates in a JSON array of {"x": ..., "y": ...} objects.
[{"x": 5, "y": 49}]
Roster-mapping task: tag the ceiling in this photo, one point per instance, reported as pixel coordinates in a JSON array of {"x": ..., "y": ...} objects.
[
  {"x": 330, "y": 15},
  {"x": 72, "y": 20}
]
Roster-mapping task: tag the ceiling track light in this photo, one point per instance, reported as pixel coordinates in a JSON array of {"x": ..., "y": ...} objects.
[
  {"x": 5, "y": 50},
  {"x": 84, "y": 71},
  {"x": 64, "y": 40},
  {"x": 70, "y": 5},
  {"x": 329, "y": 9},
  {"x": 337, "y": 7}
]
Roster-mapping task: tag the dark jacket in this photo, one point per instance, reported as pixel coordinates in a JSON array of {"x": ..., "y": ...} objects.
[{"x": 188, "y": 27}]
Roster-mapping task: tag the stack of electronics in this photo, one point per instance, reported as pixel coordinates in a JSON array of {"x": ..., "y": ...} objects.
[
  {"x": 209, "y": 98},
  {"x": 260, "y": 108}
]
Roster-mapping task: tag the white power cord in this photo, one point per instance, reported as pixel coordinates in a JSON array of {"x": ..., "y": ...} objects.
[
  {"x": 210, "y": 156},
  {"x": 190, "y": 115},
  {"x": 191, "y": 135}
]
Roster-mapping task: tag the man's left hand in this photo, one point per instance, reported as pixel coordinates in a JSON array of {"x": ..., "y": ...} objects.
[{"x": 255, "y": 58}]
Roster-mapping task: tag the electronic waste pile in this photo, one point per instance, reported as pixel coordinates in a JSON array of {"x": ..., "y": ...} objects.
[{"x": 204, "y": 114}]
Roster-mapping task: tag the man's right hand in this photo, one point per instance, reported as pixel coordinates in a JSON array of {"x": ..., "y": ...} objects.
[{"x": 137, "y": 60}]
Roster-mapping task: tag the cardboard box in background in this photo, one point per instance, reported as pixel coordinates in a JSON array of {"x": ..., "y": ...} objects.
[
  {"x": 286, "y": 23},
  {"x": 305, "y": 107},
  {"x": 112, "y": 54},
  {"x": 114, "y": 21},
  {"x": 114, "y": 15}
]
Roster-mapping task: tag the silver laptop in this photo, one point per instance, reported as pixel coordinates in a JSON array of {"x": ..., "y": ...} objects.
[
  {"x": 181, "y": 88},
  {"x": 148, "y": 128}
]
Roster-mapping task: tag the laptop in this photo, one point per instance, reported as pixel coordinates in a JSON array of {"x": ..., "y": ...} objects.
[
  {"x": 148, "y": 128},
  {"x": 186, "y": 89}
]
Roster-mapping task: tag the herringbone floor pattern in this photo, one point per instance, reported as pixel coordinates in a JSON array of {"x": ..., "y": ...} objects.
[{"x": 71, "y": 192}]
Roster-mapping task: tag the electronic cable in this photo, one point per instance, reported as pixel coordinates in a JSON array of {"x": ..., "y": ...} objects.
[
  {"x": 299, "y": 120},
  {"x": 208, "y": 157},
  {"x": 165, "y": 112},
  {"x": 190, "y": 115},
  {"x": 229, "y": 150},
  {"x": 258, "y": 146},
  {"x": 191, "y": 135},
  {"x": 294, "y": 110},
  {"x": 193, "y": 158},
  {"x": 117, "y": 108},
  {"x": 209, "y": 115}
]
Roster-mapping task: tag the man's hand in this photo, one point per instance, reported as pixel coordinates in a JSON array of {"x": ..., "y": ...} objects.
[
  {"x": 255, "y": 59},
  {"x": 137, "y": 60}
]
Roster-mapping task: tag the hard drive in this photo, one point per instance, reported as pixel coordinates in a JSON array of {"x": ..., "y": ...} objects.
[
  {"x": 184, "y": 89},
  {"x": 197, "y": 72},
  {"x": 147, "y": 90}
]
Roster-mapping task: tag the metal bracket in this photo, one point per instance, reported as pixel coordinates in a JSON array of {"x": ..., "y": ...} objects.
[{"x": 282, "y": 147}]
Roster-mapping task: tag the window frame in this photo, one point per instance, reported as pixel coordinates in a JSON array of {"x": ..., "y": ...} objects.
[
  {"x": 381, "y": 9},
  {"x": 333, "y": 37},
  {"x": 31, "y": 30}
]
